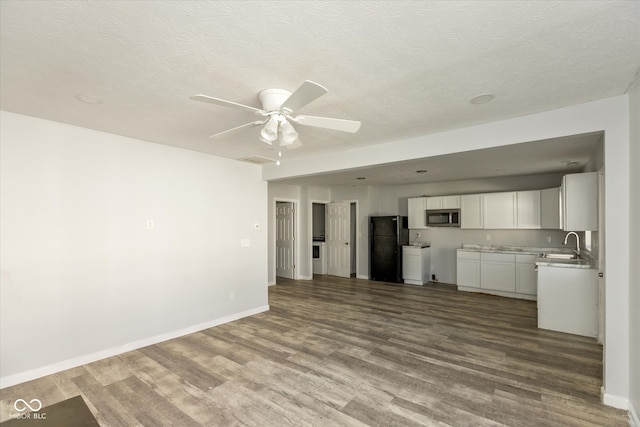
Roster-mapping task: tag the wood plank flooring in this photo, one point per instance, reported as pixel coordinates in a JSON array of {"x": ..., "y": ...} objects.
[{"x": 349, "y": 352}]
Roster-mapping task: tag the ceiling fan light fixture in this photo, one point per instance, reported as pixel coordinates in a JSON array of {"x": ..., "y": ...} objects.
[
  {"x": 289, "y": 134},
  {"x": 266, "y": 141},
  {"x": 269, "y": 132}
]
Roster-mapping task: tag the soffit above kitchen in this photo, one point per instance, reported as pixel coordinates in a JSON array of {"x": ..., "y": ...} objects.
[
  {"x": 554, "y": 156},
  {"x": 403, "y": 69}
]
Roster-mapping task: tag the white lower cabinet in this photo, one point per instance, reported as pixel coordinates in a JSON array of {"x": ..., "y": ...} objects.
[
  {"x": 415, "y": 265},
  {"x": 526, "y": 274},
  {"x": 506, "y": 274},
  {"x": 498, "y": 272},
  {"x": 468, "y": 269}
]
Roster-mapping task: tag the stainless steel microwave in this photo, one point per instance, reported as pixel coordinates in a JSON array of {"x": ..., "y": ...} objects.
[{"x": 443, "y": 218}]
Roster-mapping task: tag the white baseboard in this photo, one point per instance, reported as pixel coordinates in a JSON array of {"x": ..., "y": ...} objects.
[
  {"x": 306, "y": 277},
  {"x": 613, "y": 400},
  {"x": 634, "y": 420},
  {"x": 362, "y": 276},
  {"x": 271, "y": 283},
  {"x": 32, "y": 374}
]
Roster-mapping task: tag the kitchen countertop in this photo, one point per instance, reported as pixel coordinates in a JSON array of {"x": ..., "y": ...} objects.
[{"x": 586, "y": 261}]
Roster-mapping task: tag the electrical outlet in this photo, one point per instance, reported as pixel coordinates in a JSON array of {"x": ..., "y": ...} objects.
[
  {"x": 232, "y": 296},
  {"x": 433, "y": 268},
  {"x": 487, "y": 237},
  {"x": 150, "y": 224},
  {"x": 418, "y": 234},
  {"x": 548, "y": 239}
]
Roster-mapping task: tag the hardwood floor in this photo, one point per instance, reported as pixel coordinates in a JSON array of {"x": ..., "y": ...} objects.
[{"x": 350, "y": 352}]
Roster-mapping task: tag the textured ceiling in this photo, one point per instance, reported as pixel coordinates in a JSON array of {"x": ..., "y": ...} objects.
[{"x": 402, "y": 68}]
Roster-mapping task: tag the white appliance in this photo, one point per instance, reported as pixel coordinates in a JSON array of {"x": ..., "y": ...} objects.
[{"x": 319, "y": 258}]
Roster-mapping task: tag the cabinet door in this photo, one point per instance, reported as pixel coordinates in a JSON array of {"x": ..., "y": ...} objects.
[
  {"x": 550, "y": 209},
  {"x": 434, "y": 202},
  {"x": 411, "y": 266},
  {"x": 471, "y": 211},
  {"x": 498, "y": 272},
  {"x": 417, "y": 214},
  {"x": 580, "y": 201},
  {"x": 526, "y": 279},
  {"x": 498, "y": 276},
  {"x": 528, "y": 208},
  {"x": 468, "y": 269},
  {"x": 450, "y": 202},
  {"x": 500, "y": 210},
  {"x": 468, "y": 272}
]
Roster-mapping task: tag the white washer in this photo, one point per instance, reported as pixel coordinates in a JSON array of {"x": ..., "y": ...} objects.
[{"x": 319, "y": 258}]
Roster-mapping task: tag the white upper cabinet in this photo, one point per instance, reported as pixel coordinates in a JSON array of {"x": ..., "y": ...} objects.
[
  {"x": 471, "y": 211},
  {"x": 579, "y": 204},
  {"x": 434, "y": 202},
  {"x": 500, "y": 210},
  {"x": 550, "y": 209},
  {"x": 417, "y": 214},
  {"x": 450, "y": 202},
  {"x": 443, "y": 202},
  {"x": 528, "y": 209}
]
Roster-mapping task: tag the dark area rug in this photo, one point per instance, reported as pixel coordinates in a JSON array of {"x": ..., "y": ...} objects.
[{"x": 68, "y": 413}]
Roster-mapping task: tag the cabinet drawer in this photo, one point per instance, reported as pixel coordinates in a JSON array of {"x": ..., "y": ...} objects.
[
  {"x": 486, "y": 256},
  {"x": 468, "y": 255},
  {"x": 526, "y": 258}
]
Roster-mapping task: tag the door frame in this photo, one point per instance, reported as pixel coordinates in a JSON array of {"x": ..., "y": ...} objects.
[
  {"x": 602, "y": 260},
  {"x": 296, "y": 233}
]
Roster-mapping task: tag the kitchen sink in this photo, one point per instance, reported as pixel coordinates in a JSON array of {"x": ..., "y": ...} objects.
[{"x": 559, "y": 255}]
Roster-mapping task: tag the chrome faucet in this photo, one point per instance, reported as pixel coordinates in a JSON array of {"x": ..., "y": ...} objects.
[{"x": 577, "y": 241}]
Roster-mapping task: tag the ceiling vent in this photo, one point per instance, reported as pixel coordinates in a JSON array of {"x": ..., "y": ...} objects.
[{"x": 257, "y": 160}]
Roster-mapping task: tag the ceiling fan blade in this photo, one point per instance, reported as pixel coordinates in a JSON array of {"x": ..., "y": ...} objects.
[
  {"x": 237, "y": 129},
  {"x": 294, "y": 144},
  {"x": 225, "y": 103},
  {"x": 306, "y": 93},
  {"x": 328, "y": 123}
]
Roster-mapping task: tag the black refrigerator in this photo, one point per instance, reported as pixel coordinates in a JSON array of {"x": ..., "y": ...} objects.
[{"x": 387, "y": 234}]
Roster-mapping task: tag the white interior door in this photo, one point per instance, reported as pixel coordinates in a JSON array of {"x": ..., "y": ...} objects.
[
  {"x": 284, "y": 240},
  {"x": 338, "y": 241}
]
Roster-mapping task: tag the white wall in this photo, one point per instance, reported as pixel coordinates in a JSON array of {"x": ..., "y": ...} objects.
[
  {"x": 610, "y": 116},
  {"x": 83, "y": 277},
  {"x": 634, "y": 253}
]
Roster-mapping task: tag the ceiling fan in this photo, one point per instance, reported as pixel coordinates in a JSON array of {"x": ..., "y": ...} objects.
[{"x": 276, "y": 114}]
